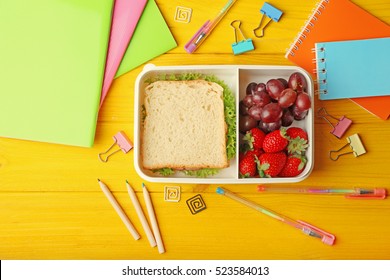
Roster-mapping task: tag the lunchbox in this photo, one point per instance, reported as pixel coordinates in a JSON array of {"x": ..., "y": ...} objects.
[{"x": 236, "y": 77}]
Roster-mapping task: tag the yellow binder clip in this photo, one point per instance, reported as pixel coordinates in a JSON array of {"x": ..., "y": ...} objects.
[{"x": 356, "y": 145}]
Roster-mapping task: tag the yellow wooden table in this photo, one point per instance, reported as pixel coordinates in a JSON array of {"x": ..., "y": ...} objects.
[{"x": 51, "y": 206}]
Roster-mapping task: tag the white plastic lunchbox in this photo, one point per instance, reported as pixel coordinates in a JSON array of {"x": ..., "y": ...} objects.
[{"x": 237, "y": 77}]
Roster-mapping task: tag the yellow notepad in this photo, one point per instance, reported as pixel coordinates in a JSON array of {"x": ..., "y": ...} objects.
[{"x": 52, "y": 54}]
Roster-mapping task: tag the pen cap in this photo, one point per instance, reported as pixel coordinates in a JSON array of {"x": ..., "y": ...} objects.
[
  {"x": 190, "y": 48},
  {"x": 327, "y": 238},
  {"x": 197, "y": 39},
  {"x": 379, "y": 193}
]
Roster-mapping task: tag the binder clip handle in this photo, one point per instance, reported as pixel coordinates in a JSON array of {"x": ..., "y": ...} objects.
[
  {"x": 322, "y": 113},
  {"x": 124, "y": 143},
  {"x": 272, "y": 13}
]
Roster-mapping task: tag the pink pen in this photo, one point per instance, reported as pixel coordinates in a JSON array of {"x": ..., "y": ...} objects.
[
  {"x": 356, "y": 193},
  {"x": 305, "y": 228},
  {"x": 206, "y": 29}
]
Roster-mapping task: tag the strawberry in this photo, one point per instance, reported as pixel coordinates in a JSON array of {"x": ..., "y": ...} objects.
[
  {"x": 298, "y": 140},
  {"x": 256, "y": 152},
  {"x": 270, "y": 164},
  {"x": 248, "y": 165},
  {"x": 295, "y": 132},
  {"x": 254, "y": 138},
  {"x": 275, "y": 141},
  {"x": 294, "y": 166}
]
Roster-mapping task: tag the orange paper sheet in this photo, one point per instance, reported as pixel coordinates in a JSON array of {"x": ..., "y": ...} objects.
[{"x": 340, "y": 20}]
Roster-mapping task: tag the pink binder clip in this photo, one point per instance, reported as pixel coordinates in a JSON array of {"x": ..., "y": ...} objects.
[
  {"x": 124, "y": 143},
  {"x": 341, "y": 126}
]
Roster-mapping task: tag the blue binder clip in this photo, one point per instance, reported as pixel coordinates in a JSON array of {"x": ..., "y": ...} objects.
[
  {"x": 272, "y": 13},
  {"x": 244, "y": 45}
]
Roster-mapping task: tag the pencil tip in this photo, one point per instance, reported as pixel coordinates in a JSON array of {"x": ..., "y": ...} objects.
[
  {"x": 98, "y": 180},
  {"x": 127, "y": 181},
  {"x": 143, "y": 185}
]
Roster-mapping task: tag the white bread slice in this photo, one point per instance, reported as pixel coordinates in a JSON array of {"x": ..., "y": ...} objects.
[{"x": 184, "y": 127}]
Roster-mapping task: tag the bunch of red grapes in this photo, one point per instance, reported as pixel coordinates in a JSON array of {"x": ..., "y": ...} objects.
[{"x": 275, "y": 104}]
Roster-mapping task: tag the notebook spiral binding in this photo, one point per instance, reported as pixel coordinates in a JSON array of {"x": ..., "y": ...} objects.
[
  {"x": 310, "y": 22},
  {"x": 320, "y": 69}
]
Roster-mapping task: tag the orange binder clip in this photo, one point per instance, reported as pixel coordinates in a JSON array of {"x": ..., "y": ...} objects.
[{"x": 124, "y": 143}]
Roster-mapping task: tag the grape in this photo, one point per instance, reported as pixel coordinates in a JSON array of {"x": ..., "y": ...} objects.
[
  {"x": 248, "y": 101},
  {"x": 255, "y": 112},
  {"x": 271, "y": 112},
  {"x": 269, "y": 127},
  {"x": 297, "y": 82},
  {"x": 298, "y": 114},
  {"x": 261, "y": 87},
  {"x": 261, "y": 99},
  {"x": 274, "y": 126},
  {"x": 287, "y": 118},
  {"x": 263, "y": 126},
  {"x": 274, "y": 88},
  {"x": 243, "y": 109},
  {"x": 247, "y": 123},
  {"x": 303, "y": 102},
  {"x": 284, "y": 82},
  {"x": 276, "y": 103},
  {"x": 250, "y": 88},
  {"x": 287, "y": 98}
]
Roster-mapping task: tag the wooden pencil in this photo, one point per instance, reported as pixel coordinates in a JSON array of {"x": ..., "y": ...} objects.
[{"x": 119, "y": 210}]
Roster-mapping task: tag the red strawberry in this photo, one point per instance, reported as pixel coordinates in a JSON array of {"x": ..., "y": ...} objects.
[
  {"x": 256, "y": 152},
  {"x": 254, "y": 138},
  {"x": 270, "y": 164},
  {"x": 294, "y": 166},
  {"x": 248, "y": 166},
  {"x": 298, "y": 140},
  {"x": 295, "y": 132},
  {"x": 275, "y": 141}
]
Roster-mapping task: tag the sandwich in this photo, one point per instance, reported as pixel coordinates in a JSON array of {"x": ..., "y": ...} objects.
[{"x": 186, "y": 128}]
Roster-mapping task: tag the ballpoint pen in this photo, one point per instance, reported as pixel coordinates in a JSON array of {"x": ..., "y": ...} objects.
[
  {"x": 363, "y": 193},
  {"x": 306, "y": 228},
  {"x": 206, "y": 29}
]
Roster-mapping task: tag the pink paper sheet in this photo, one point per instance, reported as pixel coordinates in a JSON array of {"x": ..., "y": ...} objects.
[{"x": 125, "y": 18}]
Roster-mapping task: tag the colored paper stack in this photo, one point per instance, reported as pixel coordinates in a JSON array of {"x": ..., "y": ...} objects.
[
  {"x": 344, "y": 21},
  {"x": 58, "y": 62}
]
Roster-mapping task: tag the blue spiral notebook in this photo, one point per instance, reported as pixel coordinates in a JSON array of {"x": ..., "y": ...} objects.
[{"x": 353, "y": 69}]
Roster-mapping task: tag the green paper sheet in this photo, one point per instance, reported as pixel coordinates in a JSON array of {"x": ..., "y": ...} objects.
[
  {"x": 52, "y": 59},
  {"x": 151, "y": 38}
]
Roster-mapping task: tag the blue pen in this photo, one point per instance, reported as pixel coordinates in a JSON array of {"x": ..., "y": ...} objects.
[{"x": 206, "y": 29}]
